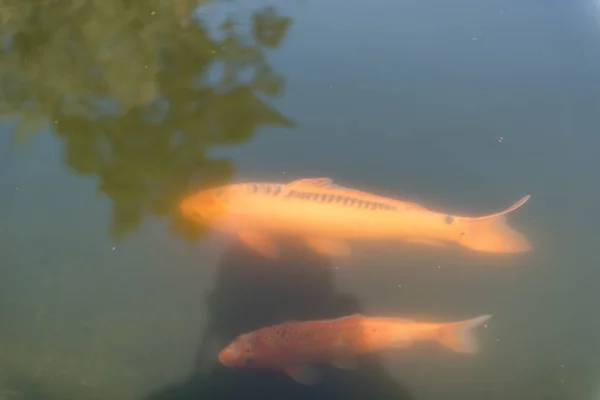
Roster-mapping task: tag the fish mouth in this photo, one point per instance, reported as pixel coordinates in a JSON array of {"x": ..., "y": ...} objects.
[{"x": 225, "y": 358}]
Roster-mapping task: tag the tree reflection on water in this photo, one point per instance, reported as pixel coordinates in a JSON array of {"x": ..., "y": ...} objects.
[
  {"x": 130, "y": 90},
  {"x": 137, "y": 93}
]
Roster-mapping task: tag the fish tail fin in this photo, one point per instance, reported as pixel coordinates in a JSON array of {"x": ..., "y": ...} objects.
[
  {"x": 459, "y": 337},
  {"x": 492, "y": 234}
]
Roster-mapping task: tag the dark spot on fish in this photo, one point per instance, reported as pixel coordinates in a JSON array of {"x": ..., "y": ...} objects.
[
  {"x": 276, "y": 190},
  {"x": 283, "y": 333},
  {"x": 449, "y": 219},
  {"x": 253, "y": 188}
]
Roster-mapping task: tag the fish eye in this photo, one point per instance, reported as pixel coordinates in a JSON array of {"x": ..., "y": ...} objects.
[{"x": 449, "y": 219}]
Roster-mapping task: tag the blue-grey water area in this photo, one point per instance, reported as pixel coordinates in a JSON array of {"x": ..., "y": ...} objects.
[{"x": 114, "y": 111}]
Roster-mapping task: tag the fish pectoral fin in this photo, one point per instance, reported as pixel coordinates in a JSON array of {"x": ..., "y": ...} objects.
[
  {"x": 345, "y": 362},
  {"x": 402, "y": 341},
  {"x": 428, "y": 242},
  {"x": 305, "y": 374},
  {"x": 331, "y": 247},
  {"x": 261, "y": 243}
]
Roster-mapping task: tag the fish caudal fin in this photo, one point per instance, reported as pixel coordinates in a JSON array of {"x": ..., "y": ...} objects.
[
  {"x": 459, "y": 337},
  {"x": 491, "y": 233}
]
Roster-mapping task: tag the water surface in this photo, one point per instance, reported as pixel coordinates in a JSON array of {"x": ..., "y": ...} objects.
[{"x": 114, "y": 112}]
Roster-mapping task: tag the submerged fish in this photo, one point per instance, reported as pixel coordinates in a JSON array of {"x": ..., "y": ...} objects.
[
  {"x": 327, "y": 215},
  {"x": 294, "y": 347}
]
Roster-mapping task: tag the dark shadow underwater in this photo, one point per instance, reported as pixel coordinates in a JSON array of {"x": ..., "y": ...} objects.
[{"x": 252, "y": 292}]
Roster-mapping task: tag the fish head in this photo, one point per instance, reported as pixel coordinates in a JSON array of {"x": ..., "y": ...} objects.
[
  {"x": 207, "y": 205},
  {"x": 239, "y": 353}
]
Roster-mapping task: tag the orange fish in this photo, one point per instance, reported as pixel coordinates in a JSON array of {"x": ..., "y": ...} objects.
[
  {"x": 294, "y": 347},
  {"x": 326, "y": 216}
]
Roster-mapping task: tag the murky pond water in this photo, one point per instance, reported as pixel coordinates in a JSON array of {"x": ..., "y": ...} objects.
[{"x": 114, "y": 111}]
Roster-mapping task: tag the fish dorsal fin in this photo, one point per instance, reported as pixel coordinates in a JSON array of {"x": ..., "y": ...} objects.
[
  {"x": 512, "y": 208},
  {"x": 322, "y": 182},
  {"x": 409, "y": 205},
  {"x": 355, "y": 315},
  {"x": 329, "y": 184}
]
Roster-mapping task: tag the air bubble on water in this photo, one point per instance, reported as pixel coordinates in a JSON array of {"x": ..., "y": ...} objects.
[{"x": 113, "y": 249}]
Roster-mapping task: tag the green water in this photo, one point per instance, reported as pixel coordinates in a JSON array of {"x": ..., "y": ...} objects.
[{"x": 115, "y": 110}]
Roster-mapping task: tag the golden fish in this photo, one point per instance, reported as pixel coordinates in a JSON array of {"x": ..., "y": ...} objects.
[
  {"x": 294, "y": 346},
  {"x": 327, "y": 216}
]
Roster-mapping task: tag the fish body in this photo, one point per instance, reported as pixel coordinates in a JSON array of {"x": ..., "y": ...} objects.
[
  {"x": 295, "y": 347},
  {"x": 327, "y": 215}
]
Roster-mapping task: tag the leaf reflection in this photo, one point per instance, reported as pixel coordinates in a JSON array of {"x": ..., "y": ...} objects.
[{"x": 130, "y": 90}]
